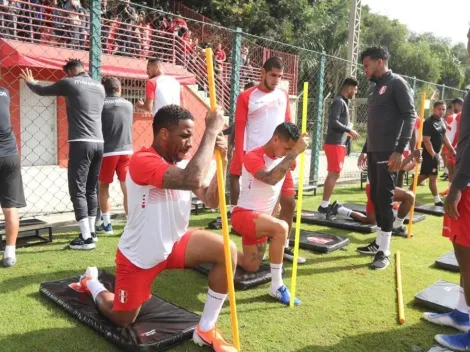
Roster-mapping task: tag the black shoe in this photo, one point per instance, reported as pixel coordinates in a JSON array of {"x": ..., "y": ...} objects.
[
  {"x": 399, "y": 231},
  {"x": 94, "y": 237},
  {"x": 289, "y": 255},
  {"x": 332, "y": 210},
  {"x": 322, "y": 210},
  {"x": 215, "y": 224},
  {"x": 380, "y": 262},
  {"x": 371, "y": 249},
  {"x": 82, "y": 244},
  {"x": 439, "y": 204},
  {"x": 444, "y": 175}
]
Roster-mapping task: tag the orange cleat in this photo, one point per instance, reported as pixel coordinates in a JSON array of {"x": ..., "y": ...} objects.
[
  {"x": 212, "y": 338},
  {"x": 81, "y": 286},
  {"x": 444, "y": 193}
]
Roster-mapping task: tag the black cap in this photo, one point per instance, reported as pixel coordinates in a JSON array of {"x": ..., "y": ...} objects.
[{"x": 457, "y": 101}]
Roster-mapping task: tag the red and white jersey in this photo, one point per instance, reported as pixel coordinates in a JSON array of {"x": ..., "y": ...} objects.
[
  {"x": 454, "y": 138},
  {"x": 255, "y": 194},
  {"x": 163, "y": 90},
  {"x": 451, "y": 123},
  {"x": 158, "y": 217},
  {"x": 257, "y": 115}
]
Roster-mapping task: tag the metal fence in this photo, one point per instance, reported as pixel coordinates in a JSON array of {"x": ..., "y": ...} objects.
[{"x": 116, "y": 41}]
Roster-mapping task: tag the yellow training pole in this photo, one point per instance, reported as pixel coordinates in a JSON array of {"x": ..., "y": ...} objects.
[
  {"x": 401, "y": 308},
  {"x": 223, "y": 209},
  {"x": 416, "y": 173},
  {"x": 299, "y": 201}
]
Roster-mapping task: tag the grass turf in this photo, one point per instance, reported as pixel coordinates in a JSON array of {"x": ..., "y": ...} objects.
[{"x": 346, "y": 306}]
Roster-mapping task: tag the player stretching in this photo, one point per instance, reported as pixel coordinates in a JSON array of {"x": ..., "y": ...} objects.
[
  {"x": 156, "y": 236},
  {"x": 263, "y": 174}
]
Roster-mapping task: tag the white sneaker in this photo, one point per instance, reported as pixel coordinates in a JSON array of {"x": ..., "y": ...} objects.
[
  {"x": 91, "y": 273},
  {"x": 289, "y": 255}
]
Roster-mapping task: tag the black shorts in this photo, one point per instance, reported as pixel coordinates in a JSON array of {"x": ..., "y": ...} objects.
[
  {"x": 11, "y": 183},
  {"x": 429, "y": 166}
]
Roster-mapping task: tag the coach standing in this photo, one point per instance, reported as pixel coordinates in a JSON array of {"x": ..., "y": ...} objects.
[
  {"x": 84, "y": 99},
  {"x": 391, "y": 117}
]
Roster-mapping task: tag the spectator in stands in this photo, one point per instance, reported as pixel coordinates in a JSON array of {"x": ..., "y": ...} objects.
[
  {"x": 85, "y": 23},
  {"x": 73, "y": 23},
  {"x": 144, "y": 35},
  {"x": 219, "y": 53},
  {"x": 11, "y": 19},
  {"x": 127, "y": 15},
  {"x": 30, "y": 20},
  {"x": 178, "y": 26},
  {"x": 244, "y": 54}
]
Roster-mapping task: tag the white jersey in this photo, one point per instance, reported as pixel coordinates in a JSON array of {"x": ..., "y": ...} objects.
[
  {"x": 158, "y": 217},
  {"x": 255, "y": 194},
  {"x": 163, "y": 90}
]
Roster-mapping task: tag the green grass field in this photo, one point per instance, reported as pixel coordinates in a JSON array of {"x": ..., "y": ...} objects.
[{"x": 346, "y": 306}]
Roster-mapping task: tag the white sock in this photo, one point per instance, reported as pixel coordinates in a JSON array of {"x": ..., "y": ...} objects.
[
  {"x": 95, "y": 288},
  {"x": 325, "y": 203},
  {"x": 378, "y": 238},
  {"x": 385, "y": 242},
  {"x": 92, "y": 221},
  {"x": 214, "y": 303},
  {"x": 344, "y": 211},
  {"x": 106, "y": 218},
  {"x": 446, "y": 170},
  {"x": 231, "y": 208},
  {"x": 10, "y": 252},
  {"x": 85, "y": 228},
  {"x": 286, "y": 244},
  {"x": 462, "y": 303},
  {"x": 398, "y": 223},
  {"x": 437, "y": 199},
  {"x": 276, "y": 277}
]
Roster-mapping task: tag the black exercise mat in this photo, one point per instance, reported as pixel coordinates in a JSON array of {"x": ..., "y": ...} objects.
[
  {"x": 25, "y": 222},
  {"x": 318, "y": 241},
  {"x": 429, "y": 209},
  {"x": 448, "y": 262},
  {"x": 361, "y": 208},
  {"x": 341, "y": 222},
  {"x": 243, "y": 280},
  {"x": 159, "y": 326},
  {"x": 441, "y": 297}
]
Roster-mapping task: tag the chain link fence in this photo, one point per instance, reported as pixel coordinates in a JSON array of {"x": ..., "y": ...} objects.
[{"x": 43, "y": 37}]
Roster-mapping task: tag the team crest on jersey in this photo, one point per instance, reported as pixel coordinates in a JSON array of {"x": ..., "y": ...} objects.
[
  {"x": 122, "y": 294},
  {"x": 383, "y": 90}
]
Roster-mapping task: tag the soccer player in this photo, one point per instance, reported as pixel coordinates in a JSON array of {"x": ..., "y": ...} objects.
[
  {"x": 117, "y": 117},
  {"x": 336, "y": 136},
  {"x": 259, "y": 110},
  {"x": 264, "y": 171},
  {"x": 405, "y": 197},
  {"x": 84, "y": 102},
  {"x": 160, "y": 89},
  {"x": 434, "y": 136},
  {"x": 11, "y": 182},
  {"x": 156, "y": 236},
  {"x": 449, "y": 119},
  {"x": 456, "y": 228},
  {"x": 391, "y": 117}
]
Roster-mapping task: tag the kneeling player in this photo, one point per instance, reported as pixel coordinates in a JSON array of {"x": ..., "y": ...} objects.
[
  {"x": 264, "y": 171},
  {"x": 156, "y": 236}
]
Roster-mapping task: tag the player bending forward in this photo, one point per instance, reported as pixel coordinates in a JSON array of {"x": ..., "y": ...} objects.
[
  {"x": 264, "y": 171},
  {"x": 156, "y": 236}
]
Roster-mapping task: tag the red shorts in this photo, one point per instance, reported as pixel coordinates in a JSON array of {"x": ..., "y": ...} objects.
[
  {"x": 451, "y": 159},
  {"x": 406, "y": 153},
  {"x": 134, "y": 284},
  {"x": 243, "y": 222},
  {"x": 457, "y": 230},
  {"x": 112, "y": 164},
  {"x": 288, "y": 185},
  {"x": 335, "y": 155},
  {"x": 370, "y": 205}
]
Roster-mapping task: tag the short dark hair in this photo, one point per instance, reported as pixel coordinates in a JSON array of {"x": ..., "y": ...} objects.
[
  {"x": 73, "y": 63},
  {"x": 449, "y": 107},
  {"x": 249, "y": 85},
  {"x": 155, "y": 60},
  {"x": 376, "y": 53},
  {"x": 111, "y": 85},
  {"x": 438, "y": 103},
  {"x": 169, "y": 117},
  {"x": 287, "y": 130},
  {"x": 457, "y": 101},
  {"x": 350, "y": 82},
  {"x": 273, "y": 62}
]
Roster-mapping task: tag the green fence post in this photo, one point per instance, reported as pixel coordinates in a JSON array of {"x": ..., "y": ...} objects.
[
  {"x": 443, "y": 95},
  {"x": 317, "y": 129},
  {"x": 95, "y": 40},
  {"x": 235, "y": 78}
]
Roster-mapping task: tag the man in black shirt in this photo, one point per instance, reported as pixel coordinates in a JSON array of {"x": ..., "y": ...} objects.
[
  {"x": 434, "y": 136},
  {"x": 84, "y": 98},
  {"x": 336, "y": 136},
  {"x": 391, "y": 117},
  {"x": 11, "y": 183}
]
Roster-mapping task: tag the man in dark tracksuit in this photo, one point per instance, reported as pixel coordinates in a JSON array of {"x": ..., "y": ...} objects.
[
  {"x": 84, "y": 98},
  {"x": 117, "y": 117},
  {"x": 11, "y": 183},
  {"x": 336, "y": 136},
  {"x": 391, "y": 117}
]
